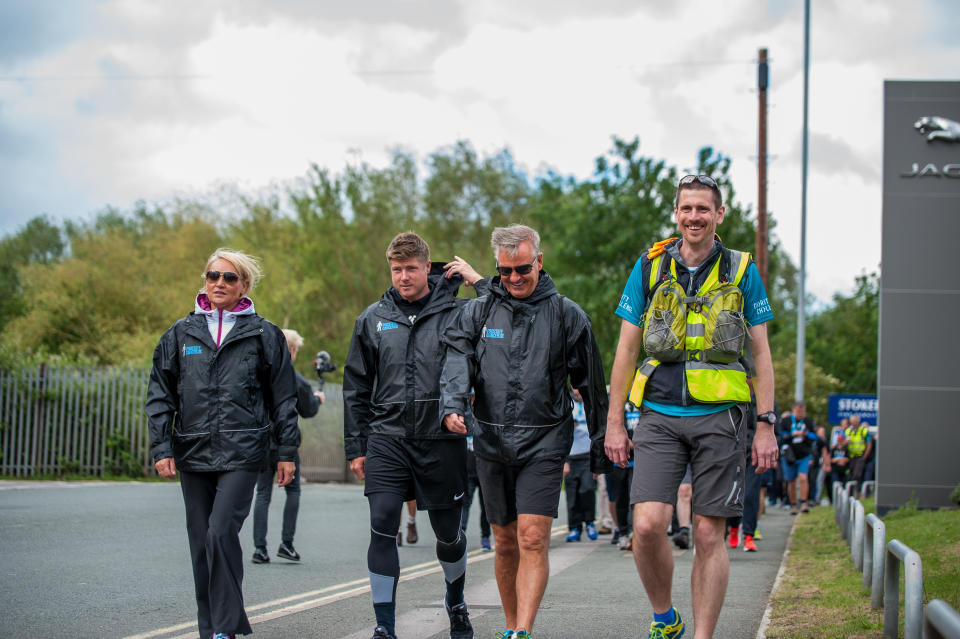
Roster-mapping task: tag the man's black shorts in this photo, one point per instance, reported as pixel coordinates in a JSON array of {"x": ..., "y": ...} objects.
[
  {"x": 432, "y": 471},
  {"x": 532, "y": 488}
]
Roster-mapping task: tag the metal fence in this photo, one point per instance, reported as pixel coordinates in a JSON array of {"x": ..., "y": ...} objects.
[
  {"x": 90, "y": 421},
  {"x": 866, "y": 536}
]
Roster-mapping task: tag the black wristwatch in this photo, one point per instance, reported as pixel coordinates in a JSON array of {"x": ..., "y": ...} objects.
[{"x": 769, "y": 417}]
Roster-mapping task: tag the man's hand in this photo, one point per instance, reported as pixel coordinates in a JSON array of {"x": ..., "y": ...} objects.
[
  {"x": 285, "y": 472},
  {"x": 616, "y": 443},
  {"x": 455, "y": 423},
  {"x": 358, "y": 466},
  {"x": 459, "y": 265},
  {"x": 566, "y": 468},
  {"x": 319, "y": 395},
  {"x": 765, "y": 451},
  {"x": 166, "y": 467}
]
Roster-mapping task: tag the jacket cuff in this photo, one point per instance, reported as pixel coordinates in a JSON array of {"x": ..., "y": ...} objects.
[
  {"x": 482, "y": 286},
  {"x": 287, "y": 453},
  {"x": 599, "y": 462},
  {"x": 355, "y": 447},
  {"x": 161, "y": 451}
]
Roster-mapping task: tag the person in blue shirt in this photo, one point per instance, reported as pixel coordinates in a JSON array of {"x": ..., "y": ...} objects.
[{"x": 676, "y": 429}]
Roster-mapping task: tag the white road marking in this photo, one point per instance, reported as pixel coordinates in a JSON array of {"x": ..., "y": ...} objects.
[{"x": 354, "y": 588}]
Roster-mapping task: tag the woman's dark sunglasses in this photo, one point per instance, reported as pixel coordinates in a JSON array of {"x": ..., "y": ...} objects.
[
  {"x": 702, "y": 179},
  {"x": 214, "y": 276},
  {"x": 523, "y": 269}
]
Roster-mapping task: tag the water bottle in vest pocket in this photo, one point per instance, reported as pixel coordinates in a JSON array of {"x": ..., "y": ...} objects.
[
  {"x": 725, "y": 329},
  {"x": 665, "y": 324}
]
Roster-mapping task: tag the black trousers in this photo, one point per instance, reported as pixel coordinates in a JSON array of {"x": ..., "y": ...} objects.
[
  {"x": 216, "y": 504},
  {"x": 261, "y": 505},
  {"x": 581, "y": 489}
]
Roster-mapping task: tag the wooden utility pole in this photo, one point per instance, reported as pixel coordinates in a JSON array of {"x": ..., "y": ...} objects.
[{"x": 763, "y": 240}]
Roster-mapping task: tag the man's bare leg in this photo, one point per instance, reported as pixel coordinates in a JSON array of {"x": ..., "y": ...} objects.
[
  {"x": 534, "y": 569},
  {"x": 684, "y": 505},
  {"x": 651, "y": 552},
  {"x": 711, "y": 571},
  {"x": 506, "y": 562}
]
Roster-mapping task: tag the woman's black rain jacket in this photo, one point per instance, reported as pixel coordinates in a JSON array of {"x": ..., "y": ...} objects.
[{"x": 214, "y": 409}]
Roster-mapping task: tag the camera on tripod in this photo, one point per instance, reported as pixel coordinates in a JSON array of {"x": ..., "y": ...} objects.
[{"x": 322, "y": 364}]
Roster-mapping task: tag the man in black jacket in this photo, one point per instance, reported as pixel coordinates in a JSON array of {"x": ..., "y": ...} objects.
[
  {"x": 392, "y": 431},
  {"x": 516, "y": 347}
]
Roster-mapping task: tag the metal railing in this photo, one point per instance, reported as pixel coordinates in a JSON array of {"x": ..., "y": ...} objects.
[
  {"x": 880, "y": 563},
  {"x": 855, "y": 525},
  {"x": 843, "y": 495},
  {"x": 898, "y": 552},
  {"x": 940, "y": 621},
  {"x": 90, "y": 420},
  {"x": 875, "y": 542}
]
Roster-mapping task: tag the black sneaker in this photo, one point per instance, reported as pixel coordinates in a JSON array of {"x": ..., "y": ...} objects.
[
  {"x": 460, "y": 627},
  {"x": 681, "y": 539},
  {"x": 260, "y": 556},
  {"x": 381, "y": 633},
  {"x": 615, "y": 540},
  {"x": 287, "y": 552}
]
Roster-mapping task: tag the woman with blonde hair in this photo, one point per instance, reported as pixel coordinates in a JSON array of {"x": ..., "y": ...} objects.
[{"x": 221, "y": 386}]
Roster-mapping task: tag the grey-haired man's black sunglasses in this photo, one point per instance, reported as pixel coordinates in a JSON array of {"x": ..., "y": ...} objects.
[{"x": 523, "y": 269}]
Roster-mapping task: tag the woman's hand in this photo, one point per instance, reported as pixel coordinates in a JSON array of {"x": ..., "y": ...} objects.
[
  {"x": 166, "y": 468},
  {"x": 285, "y": 472}
]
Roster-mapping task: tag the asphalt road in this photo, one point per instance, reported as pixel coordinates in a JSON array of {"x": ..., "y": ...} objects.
[{"x": 93, "y": 560}]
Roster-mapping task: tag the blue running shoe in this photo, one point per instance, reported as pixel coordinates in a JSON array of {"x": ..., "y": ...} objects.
[
  {"x": 506, "y": 634},
  {"x": 591, "y": 531},
  {"x": 574, "y": 535},
  {"x": 522, "y": 634},
  {"x": 660, "y": 630}
]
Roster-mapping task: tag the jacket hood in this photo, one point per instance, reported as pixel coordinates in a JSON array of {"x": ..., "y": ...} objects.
[
  {"x": 243, "y": 307},
  {"x": 545, "y": 288},
  {"x": 442, "y": 289}
]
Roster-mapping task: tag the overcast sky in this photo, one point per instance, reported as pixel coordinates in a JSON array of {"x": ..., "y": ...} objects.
[{"x": 105, "y": 103}]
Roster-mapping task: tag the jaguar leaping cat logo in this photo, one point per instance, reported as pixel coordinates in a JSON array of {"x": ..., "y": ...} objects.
[{"x": 935, "y": 127}]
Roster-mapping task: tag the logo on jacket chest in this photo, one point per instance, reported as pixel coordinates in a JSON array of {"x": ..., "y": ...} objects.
[
  {"x": 386, "y": 326},
  {"x": 493, "y": 333},
  {"x": 192, "y": 350}
]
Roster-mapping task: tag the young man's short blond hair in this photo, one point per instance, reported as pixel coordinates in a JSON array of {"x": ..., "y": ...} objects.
[{"x": 408, "y": 246}]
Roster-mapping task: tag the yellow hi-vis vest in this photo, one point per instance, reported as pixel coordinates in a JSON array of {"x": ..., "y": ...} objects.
[
  {"x": 706, "y": 331},
  {"x": 856, "y": 440}
]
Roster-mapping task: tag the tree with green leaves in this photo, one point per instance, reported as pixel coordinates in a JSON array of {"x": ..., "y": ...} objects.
[{"x": 844, "y": 338}]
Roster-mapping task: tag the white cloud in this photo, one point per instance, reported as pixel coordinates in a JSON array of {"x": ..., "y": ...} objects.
[{"x": 143, "y": 101}]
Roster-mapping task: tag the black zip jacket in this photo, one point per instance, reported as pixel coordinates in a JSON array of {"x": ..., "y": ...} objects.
[
  {"x": 517, "y": 356},
  {"x": 392, "y": 372},
  {"x": 308, "y": 404},
  {"x": 211, "y": 409}
]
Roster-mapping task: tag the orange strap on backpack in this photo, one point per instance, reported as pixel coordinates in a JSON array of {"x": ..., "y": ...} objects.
[{"x": 659, "y": 248}]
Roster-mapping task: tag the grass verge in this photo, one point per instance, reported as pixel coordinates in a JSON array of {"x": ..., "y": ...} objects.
[{"x": 820, "y": 593}]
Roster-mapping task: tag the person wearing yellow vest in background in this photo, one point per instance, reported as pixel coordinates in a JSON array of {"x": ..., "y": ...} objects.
[
  {"x": 692, "y": 305},
  {"x": 859, "y": 445}
]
